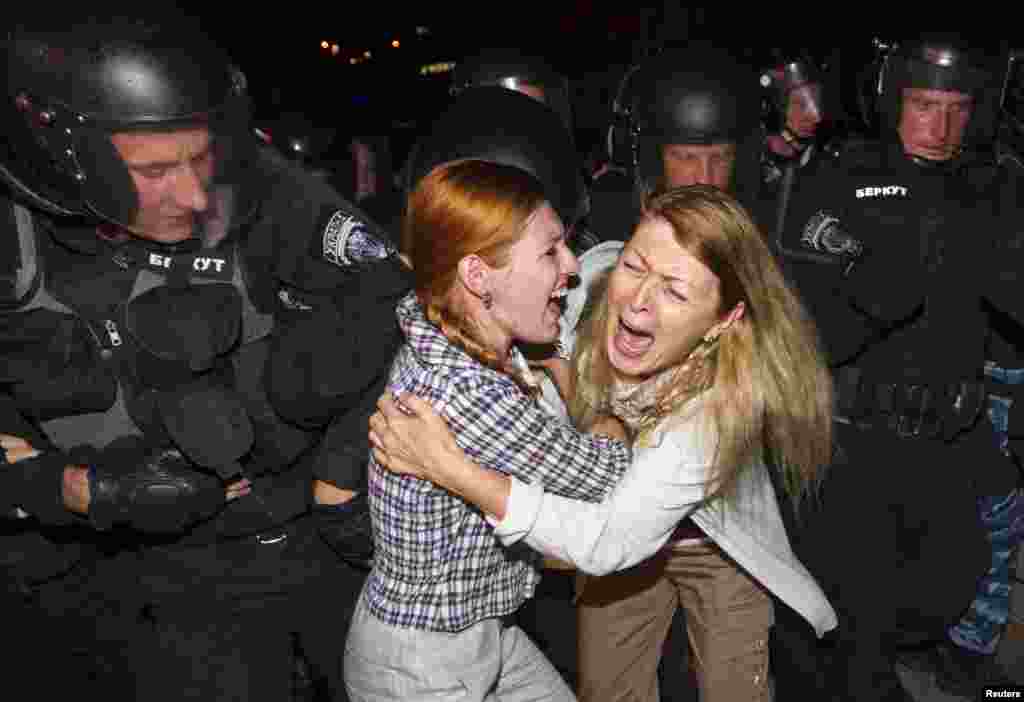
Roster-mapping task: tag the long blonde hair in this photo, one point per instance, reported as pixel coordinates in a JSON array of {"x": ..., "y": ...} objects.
[{"x": 767, "y": 387}]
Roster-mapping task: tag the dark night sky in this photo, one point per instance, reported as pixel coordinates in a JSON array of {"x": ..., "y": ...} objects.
[
  {"x": 288, "y": 71},
  {"x": 592, "y": 43},
  {"x": 279, "y": 49}
]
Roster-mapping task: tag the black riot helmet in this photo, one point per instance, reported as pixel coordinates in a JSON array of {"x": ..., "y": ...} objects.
[
  {"x": 699, "y": 95},
  {"x": 67, "y": 90},
  {"x": 791, "y": 75},
  {"x": 298, "y": 138},
  {"x": 621, "y": 138},
  {"x": 1011, "y": 122},
  {"x": 504, "y": 126},
  {"x": 943, "y": 62},
  {"x": 515, "y": 70}
]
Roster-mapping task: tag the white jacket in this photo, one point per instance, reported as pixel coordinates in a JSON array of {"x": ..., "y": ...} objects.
[{"x": 665, "y": 484}]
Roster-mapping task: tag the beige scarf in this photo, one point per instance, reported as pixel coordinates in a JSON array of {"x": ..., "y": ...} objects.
[
  {"x": 635, "y": 404},
  {"x": 642, "y": 405}
]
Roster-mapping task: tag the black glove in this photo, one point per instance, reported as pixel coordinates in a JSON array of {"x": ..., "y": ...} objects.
[
  {"x": 154, "y": 490},
  {"x": 347, "y": 529},
  {"x": 35, "y": 485}
]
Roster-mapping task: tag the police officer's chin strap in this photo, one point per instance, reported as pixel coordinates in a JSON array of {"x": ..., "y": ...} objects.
[
  {"x": 791, "y": 140},
  {"x": 959, "y": 157},
  {"x": 794, "y": 141},
  {"x": 950, "y": 164}
]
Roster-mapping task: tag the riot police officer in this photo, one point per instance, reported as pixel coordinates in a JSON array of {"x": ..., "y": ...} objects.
[
  {"x": 510, "y": 69},
  {"x": 894, "y": 248},
  {"x": 516, "y": 70},
  {"x": 163, "y": 262},
  {"x": 793, "y": 108},
  {"x": 497, "y": 124},
  {"x": 686, "y": 116}
]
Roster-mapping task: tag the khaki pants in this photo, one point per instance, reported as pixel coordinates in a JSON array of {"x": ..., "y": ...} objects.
[{"x": 624, "y": 619}]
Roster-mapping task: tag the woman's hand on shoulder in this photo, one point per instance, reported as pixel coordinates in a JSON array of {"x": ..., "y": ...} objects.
[{"x": 409, "y": 437}]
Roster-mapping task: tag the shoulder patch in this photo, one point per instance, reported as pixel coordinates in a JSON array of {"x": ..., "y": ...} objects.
[{"x": 347, "y": 240}]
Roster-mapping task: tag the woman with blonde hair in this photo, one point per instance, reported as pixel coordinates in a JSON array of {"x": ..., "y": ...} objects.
[{"x": 697, "y": 346}]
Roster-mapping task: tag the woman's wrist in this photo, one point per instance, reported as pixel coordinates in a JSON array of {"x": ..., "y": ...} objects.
[
  {"x": 480, "y": 486},
  {"x": 449, "y": 468}
]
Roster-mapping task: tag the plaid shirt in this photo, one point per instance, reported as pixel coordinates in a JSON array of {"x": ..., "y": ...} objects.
[{"x": 437, "y": 564}]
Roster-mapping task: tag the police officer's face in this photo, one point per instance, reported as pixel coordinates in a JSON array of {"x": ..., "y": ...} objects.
[
  {"x": 932, "y": 122},
  {"x": 803, "y": 110},
  {"x": 172, "y": 172},
  {"x": 698, "y": 164}
]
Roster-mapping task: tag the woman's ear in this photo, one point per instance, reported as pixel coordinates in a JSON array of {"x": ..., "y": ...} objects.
[
  {"x": 735, "y": 314},
  {"x": 474, "y": 274}
]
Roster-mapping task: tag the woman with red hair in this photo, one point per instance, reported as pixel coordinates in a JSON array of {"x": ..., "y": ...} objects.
[{"x": 491, "y": 267}]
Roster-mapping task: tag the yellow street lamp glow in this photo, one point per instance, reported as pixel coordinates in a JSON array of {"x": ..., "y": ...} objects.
[
  {"x": 395, "y": 43},
  {"x": 324, "y": 45}
]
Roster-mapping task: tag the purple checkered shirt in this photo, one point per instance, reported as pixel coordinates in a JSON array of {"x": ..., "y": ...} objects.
[{"x": 437, "y": 564}]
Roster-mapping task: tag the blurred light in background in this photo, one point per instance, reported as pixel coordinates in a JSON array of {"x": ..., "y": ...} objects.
[{"x": 435, "y": 68}]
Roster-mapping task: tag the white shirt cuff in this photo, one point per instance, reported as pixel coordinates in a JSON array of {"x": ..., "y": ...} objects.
[{"x": 521, "y": 510}]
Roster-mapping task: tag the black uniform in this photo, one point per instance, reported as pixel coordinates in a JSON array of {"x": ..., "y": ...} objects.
[
  {"x": 224, "y": 596},
  {"x": 59, "y": 615},
  {"x": 897, "y": 542}
]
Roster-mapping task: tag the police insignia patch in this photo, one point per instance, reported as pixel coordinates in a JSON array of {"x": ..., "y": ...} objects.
[{"x": 348, "y": 241}]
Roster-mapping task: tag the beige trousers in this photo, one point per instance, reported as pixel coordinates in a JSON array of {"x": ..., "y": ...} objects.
[{"x": 624, "y": 618}]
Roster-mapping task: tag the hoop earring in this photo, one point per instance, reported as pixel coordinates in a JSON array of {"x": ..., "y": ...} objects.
[
  {"x": 707, "y": 345},
  {"x": 488, "y": 300},
  {"x": 702, "y": 351}
]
